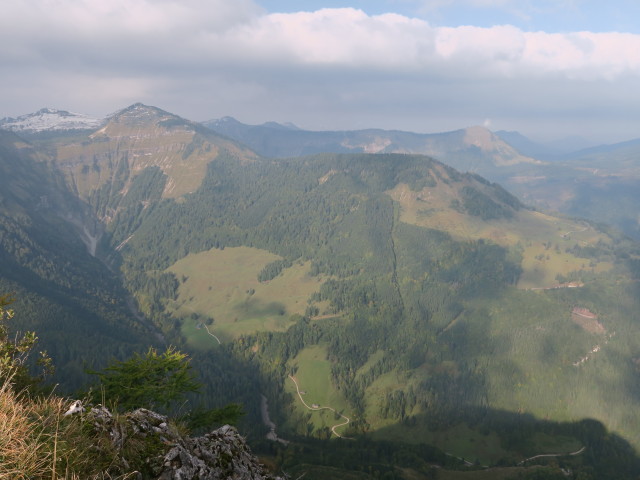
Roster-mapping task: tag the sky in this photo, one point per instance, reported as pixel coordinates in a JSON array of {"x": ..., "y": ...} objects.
[{"x": 546, "y": 68}]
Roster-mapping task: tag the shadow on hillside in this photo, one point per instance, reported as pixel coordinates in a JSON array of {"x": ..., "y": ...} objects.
[
  {"x": 382, "y": 454},
  {"x": 490, "y": 438},
  {"x": 254, "y": 307}
]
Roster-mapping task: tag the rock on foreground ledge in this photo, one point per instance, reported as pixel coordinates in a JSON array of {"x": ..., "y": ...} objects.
[{"x": 145, "y": 444}]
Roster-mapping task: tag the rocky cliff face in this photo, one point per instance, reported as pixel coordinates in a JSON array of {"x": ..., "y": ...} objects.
[
  {"x": 144, "y": 445},
  {"x": 105, "y": 163}
]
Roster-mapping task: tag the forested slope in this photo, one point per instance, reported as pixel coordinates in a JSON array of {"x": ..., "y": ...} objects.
[
  {"x": 433, "y": 301},
  {"x": 424, "y": 304},
  {"x": 74, "y": 302}
]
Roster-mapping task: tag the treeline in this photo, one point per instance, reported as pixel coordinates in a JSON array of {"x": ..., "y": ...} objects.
[{"x": 273, "y": 269}]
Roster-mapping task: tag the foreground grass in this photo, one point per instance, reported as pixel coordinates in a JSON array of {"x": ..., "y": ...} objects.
[
  {"x": 24, "y": 447},
  {"x": 38, "y": 442}
]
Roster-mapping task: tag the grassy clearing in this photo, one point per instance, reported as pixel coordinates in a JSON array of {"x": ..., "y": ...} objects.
[
  {"x": 459, "y": 440},
  {"x": 371, "y": 361},
  {"x": 223, "y": 285},
  {"x": 541, "y": 239},
  {"x": 320, "y": 472},
  {"x": 542, "y": 265},
  {"x": 375, "y": 394},
  {"x": 313, "y": 375},
  {"x": 323, "y": 472},
  {"x": 198, "y": 337}
]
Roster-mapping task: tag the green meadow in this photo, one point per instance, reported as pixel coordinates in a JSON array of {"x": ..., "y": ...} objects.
[
  {"x": 313, "y": 374},
  {"x": 223, "y": 285},
  {"x": 543, "y": 241}
]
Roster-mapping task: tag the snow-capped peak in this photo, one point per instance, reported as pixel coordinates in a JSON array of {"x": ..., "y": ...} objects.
[{"x": 48, "y": 119}]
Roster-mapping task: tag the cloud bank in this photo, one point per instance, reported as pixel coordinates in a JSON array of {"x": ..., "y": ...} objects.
[{"x": 207, "y": 58}]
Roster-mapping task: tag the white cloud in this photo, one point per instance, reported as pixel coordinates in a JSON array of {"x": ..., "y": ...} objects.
[
  {"x": 349, "y": 37},
  {"x": 209, "y": 54},
  {"x": 55, "y": 30},
  {"x": 169, "y": 33},
  {"x": 345, "y": 37}
]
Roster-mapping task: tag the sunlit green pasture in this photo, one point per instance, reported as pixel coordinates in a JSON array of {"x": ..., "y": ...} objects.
[
  {"x": 223, "y": 285},
  {"x": 313, "y": 374},
  {"x": 542, "y": 240}
]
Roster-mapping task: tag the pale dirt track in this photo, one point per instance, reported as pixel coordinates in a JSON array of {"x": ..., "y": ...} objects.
[
  {"x": 333, "y": 429},
  {"x": 207, "y": 328},
  {"x": 578, "y": 452}
]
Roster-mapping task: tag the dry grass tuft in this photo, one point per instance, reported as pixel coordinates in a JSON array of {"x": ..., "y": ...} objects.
[
  {"x": 24, "y": 453},
  {"x": 38, "y": 443}
]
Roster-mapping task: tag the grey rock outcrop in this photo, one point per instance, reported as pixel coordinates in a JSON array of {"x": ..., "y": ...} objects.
[
  {"x": 219, "y": 454},
  {"x": 146, "y": 443}
]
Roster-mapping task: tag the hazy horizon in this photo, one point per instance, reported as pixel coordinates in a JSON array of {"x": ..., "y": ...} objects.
[{"x": 549, "y": 71}]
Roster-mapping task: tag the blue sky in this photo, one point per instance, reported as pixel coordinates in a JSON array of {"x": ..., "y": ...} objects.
[
  {"x": 547, "y": 15},
  {"x": 548, "y": 69}
]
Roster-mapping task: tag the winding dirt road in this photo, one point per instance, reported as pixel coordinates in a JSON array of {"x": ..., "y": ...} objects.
[
  {"x": 207, "y": 329},
  {"x": 333, "y": 429},
  {"x": 578, "y": 452}
]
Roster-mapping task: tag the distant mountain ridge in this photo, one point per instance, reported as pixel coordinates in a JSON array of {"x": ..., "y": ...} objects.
[
  {"x": 599, "y": 183},
  {"x": 468, "y": 149},
  {"x": 132, "y": 140},
  {"x": 51, "y": 119},
  {"x": 48, "y": 119},
  {"x": 583, "y": 183},
  {"x": 579, "y": 183},
  {"x": 527, "y": 146}
]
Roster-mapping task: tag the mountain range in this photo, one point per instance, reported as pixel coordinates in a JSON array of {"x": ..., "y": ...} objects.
[
  {"x": 424, "y": 305},
  {"x": 598, "y": 183}
]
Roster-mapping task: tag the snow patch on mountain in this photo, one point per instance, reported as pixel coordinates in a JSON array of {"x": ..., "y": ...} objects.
[{"x": 48, "y": 119}]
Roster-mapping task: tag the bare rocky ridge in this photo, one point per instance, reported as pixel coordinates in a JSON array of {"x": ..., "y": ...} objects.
[
  {"x": 47, "y": 120},
  {"x": 145, "y": 444}
]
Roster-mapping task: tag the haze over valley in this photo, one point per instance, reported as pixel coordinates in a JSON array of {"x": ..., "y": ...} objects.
[
  {"x": 386, "y": 240},
  {"x": 423, "y": 304}
]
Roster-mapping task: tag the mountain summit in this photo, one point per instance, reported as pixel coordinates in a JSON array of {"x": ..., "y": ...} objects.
[{"x": 138, "y": 137}]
